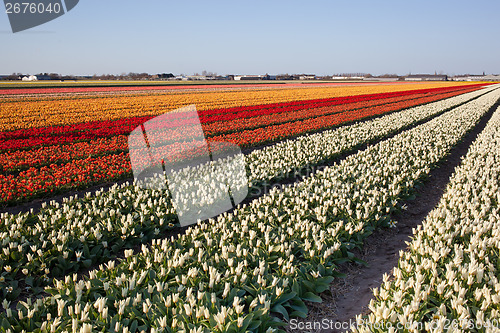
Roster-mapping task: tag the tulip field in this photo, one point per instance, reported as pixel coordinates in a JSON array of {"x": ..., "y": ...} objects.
[
  {"x": 115, "y": 260},
  {"x": 37, "y": 161}
]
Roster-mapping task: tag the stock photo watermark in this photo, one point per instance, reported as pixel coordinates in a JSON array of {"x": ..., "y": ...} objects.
[
  {"x": 204, "y": 179},
  {"x": 24, "y": 15},
  {"x": 327, "y": 324}
]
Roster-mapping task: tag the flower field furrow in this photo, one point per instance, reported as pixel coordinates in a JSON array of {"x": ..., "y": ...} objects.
[
  {"x": 449, "y": 277},
  {"x": 231, "y": 273},
  {"x": 262, "y": 166},
  {"x": 43, "y": 113},
  {"x": 73, "y": 173}
]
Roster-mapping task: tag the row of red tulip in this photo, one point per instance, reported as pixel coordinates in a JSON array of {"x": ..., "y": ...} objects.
[
  {"x": 19, "y": 160},
  {"x": 58, "y": 178}
]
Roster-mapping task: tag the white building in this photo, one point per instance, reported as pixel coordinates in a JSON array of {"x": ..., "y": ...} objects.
[
  {"x": 30, "y": 78},
  {"x": 247, "y": 77},
  {"x": 477, "y": 78}
]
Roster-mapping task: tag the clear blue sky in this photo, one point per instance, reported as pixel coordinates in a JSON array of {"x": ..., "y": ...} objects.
[{"x": 257, "y": 37}]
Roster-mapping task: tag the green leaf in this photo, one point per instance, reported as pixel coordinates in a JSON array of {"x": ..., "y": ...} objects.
[
  {"x": 285, "y": 297},
  {"x": 361, "y": 262},
  {"x": 281, "y": 310},
  {"x": 309, "y": 285},
  {"x": 298, "y": 314},
  {"x": 87, "y": 263},
  {"x": 133, "y": 327},
  {"x": 246, "y": 322},
  {"x": 250, "y": 289},
  {"x": 296, "y": 287},
  {"x": 341, "y": 261},
  {"x": 29, "y": 281},
  {"x": 326, "y": 279},
  {"x": 300, "y": 306},
  {"x": 15, "y": 256},
  {"x": 254, "y": 324},
  {"x": 309, "y": 296},
  {"x": 95, "y": 249},
  {"x": 338, "y": 274},
  {"x": 5, "y": 324},
  {"x": 241, "y": 293},
  {"x": 86, "y": 252},
  {"x": 320, "y": 287},
  {"x": 321, "y": 269}
]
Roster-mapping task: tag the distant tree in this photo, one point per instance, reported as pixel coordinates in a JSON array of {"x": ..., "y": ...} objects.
[
  {"x": 389, "y": 76},
  {"x": 54, "y": 76},
  {"x": 14, "y": 76}
]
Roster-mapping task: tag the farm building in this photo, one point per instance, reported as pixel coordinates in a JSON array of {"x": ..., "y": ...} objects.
[
  {"x": 247, "y": 77},
  {"x": 477, "y": 78},
  {"x": 426, "y": 77}
]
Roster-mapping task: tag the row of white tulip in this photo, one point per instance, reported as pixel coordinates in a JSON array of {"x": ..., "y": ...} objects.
[
  {"x": 206, "y": 185},
  {"x": 230, "y": 273},
  {"x": 289, "y": 156},
  {"x": 448, "y": 280},
  {"x": 61, "y": 238}
]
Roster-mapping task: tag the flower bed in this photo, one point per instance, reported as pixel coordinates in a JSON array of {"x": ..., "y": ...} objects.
[
  {"x": 129, "y": 203},
  {"x": 32, "y": 137},
  {"x": 21, "y": 114},
  {"x": 231, "y": 273},
  {"x": 91, "y": 163}
]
